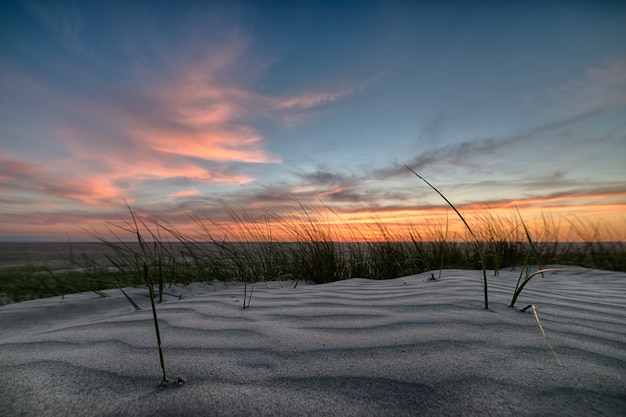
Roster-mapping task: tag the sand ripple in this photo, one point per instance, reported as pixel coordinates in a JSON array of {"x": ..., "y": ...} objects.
[{"x": 401, "y": 347}]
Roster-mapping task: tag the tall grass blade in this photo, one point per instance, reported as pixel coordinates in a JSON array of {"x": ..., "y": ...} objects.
[
  {"x": 530, "y": 241},
  {"x": 478, "y": 246},
  {"x": 130, "y": 300},
  {"x": 443, "y": 249},
  {"x": 150, "y": 285},
  {"x": 249, "y": 296}
]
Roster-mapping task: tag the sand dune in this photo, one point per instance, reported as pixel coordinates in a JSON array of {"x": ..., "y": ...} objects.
[{"x": 402, "y": 347}]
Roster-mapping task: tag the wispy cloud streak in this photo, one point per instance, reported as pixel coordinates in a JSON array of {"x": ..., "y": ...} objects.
[{"x": 465, "y": 152}]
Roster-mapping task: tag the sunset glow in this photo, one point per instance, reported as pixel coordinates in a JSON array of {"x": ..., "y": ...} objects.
[{"x": 184, "y": 109}]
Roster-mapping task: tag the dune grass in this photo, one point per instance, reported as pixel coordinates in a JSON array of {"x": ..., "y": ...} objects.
[
  {"x": 249, "y": 253},
  {"x": 149, "y": 282},
  {"x": 474, "y": 237}
]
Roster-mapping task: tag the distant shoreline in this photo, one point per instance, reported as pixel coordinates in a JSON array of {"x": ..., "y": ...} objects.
[{"x": 66, "y": 254}]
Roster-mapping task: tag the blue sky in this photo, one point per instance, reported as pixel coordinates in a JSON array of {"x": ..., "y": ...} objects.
[{"x": 180, "y": 107}]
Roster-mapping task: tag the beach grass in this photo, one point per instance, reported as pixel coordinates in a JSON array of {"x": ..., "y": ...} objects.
[
  {"x": 474, "y": 237},
  {"x": 149, "y": 282},
  {"x": 247, "y": 252},
  {"x": 161, "y": 255}
]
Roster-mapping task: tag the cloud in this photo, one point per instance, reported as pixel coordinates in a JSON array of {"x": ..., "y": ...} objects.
[
  {"x": 606, "y": 82},
  {"x": 599, "y": 86},
  {"x": 102, "y": 176},
  {"x": 465, "y": 153},
  {"x": 312, "y": 100},
  {"x": 198, "y": 111},
  {"x": 193, "y": 122},
  {"x": 19, "y": 178}
]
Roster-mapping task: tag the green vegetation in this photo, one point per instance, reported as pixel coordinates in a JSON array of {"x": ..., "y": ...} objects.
[{"x": 28, "y": 283}]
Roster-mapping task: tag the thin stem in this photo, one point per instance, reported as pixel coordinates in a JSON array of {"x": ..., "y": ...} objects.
[
  {"x": 150, "y": 286},
  {"x": 478, "y": 246}
]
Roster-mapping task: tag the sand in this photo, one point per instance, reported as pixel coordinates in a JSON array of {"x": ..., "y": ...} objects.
[{"x": 401, "y": 347}]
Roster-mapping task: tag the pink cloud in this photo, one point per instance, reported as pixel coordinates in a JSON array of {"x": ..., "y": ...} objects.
[
  {"x": 238, "y": 144},
  {"x": 98, "y": 174},
  {"x": 35, "y": 181},
  {"x": 210, "y": 112},
  {"x": 207, "y": 114},
  {"x": 185, "y": 193},
  {"x": 311, "y": 100},
  {"x": 185, "y": 127}
]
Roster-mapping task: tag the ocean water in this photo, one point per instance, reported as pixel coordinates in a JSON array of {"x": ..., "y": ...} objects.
[
  {"x": 62, "y": 254},
  {"x": 69, "y": 255},
  {"x": 55, "y": 255}
]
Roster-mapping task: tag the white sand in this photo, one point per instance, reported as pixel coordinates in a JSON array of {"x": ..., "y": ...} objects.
[{"x": 402, "y": 347}]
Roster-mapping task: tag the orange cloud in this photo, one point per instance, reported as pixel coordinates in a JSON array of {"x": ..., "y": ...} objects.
[
  {"x": 206, "y": 113},
  {"x": 563, "y": 201},
  {"x": 238, "y": 144},
  {"x": 184, "y": 193}
]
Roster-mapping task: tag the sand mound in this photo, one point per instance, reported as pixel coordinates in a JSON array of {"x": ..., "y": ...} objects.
[{"x": 402, "y": 347}]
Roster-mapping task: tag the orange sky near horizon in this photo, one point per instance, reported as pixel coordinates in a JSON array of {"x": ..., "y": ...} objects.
[{"x": 564, "y": 222}]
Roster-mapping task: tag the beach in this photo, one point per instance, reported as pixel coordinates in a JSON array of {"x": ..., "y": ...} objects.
[{"x": 409, "y": 346}]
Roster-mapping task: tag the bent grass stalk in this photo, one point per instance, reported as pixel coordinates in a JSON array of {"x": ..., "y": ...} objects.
[
  {"x": 478, "y": 246},
  {"x": 545, "y": 336},
  {"x": 541, "y": 271},
  {"x": 519, "y": 287}
]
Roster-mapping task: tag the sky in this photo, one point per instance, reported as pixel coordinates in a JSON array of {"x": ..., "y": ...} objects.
[{"x": 204, "y": 109}]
